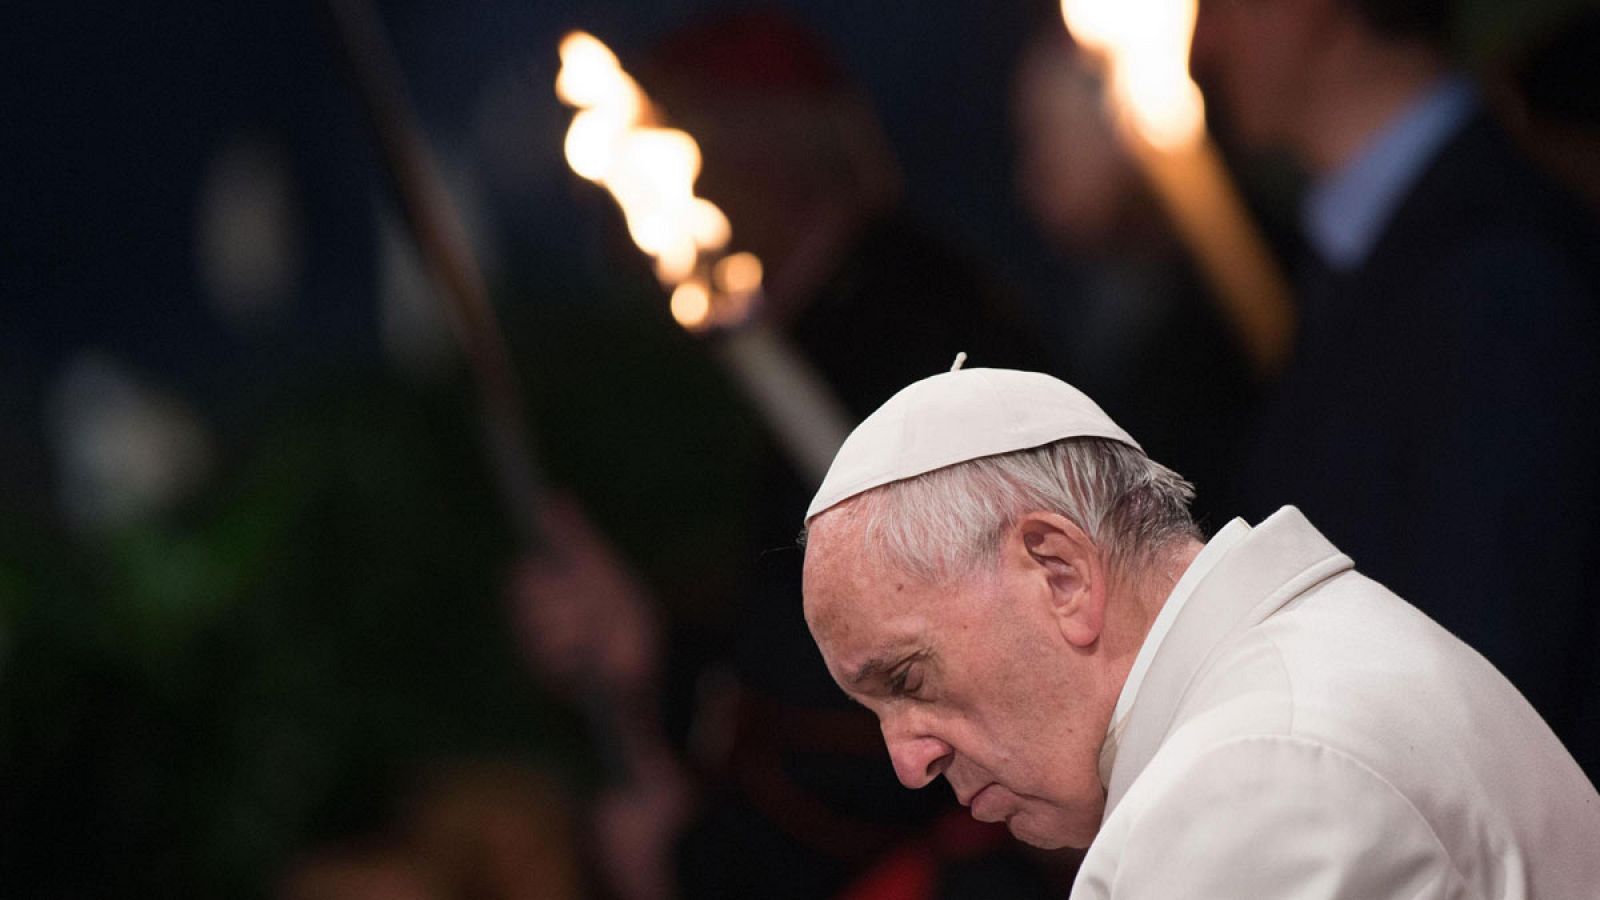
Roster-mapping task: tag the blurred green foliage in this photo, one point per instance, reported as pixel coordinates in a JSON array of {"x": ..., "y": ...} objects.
[{"x": 187, "y": 703}]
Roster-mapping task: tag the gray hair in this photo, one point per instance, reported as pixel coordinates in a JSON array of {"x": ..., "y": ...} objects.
[{"x": 948, "y": 522}]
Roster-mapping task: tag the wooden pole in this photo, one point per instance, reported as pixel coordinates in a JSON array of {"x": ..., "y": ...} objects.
[
  {"x": 1193, "y": 186},
  {"x": 441, "y": 239}
]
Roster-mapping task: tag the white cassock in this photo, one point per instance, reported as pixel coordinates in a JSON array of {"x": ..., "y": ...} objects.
[{"x": 1291, "y": 729}]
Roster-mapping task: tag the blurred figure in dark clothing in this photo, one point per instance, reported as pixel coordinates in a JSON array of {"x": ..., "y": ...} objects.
[
  {"x": 1439, "y": 417},
  {"x": 799, "y": 797},
  {"x": 1551, "y": 94}
]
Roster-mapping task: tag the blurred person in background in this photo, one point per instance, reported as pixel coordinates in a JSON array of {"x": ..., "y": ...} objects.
[
  {"x": 1550, "y": 94},
  {"x": 1144, "y": 335},
  {"x": 481, "y": 830},
  {"x": 1439, "y": 416},
  {"x": 796, "y": 799}
]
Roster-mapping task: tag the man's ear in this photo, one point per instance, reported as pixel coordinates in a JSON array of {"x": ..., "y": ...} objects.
[{"x": 1052, "y": 549}]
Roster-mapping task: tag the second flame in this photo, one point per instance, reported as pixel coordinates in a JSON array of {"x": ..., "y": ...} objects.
[
  {"x": 1145, "y": 44},
  {"x": 615, "y": 140}
]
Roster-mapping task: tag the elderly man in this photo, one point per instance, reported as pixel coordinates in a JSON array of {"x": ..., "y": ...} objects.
[{"x": 997, "y": 570}]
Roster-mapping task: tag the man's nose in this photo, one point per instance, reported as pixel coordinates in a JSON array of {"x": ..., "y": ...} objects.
[{"x": 918, "y": 758}]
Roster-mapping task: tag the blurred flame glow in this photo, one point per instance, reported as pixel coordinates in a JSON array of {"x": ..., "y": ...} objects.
[
  {"x": 616, "y": 141},
  {"x": 739, "y": 273},
  {"x": 691, "y": 305},
  {"x": 1145, "y": 44},
  {"x": 709, "y": 225},
  {"x": 675, "y": 261}
]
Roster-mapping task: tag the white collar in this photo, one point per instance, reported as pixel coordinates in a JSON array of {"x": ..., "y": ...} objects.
[{"x": 1207, "y": 559}]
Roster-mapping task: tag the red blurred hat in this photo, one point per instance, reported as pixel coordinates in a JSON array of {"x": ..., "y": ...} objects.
[{"x": 762, "y": 50}]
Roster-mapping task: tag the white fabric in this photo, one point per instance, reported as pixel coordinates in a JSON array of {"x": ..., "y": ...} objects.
[
  {"x": 1214, "y": 550},
  {"x": 1301, "y": 732},
  {"x": 958, "y": 416}
]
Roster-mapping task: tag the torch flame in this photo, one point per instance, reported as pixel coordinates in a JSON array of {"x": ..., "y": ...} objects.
[
  {"x": 591, "y": 76},
  {"x": 616, "y": 141},
  {"x": 1145, "y": 45}
]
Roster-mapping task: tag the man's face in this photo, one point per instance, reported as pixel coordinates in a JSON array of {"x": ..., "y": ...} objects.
[
  {"x": 971, "y": 680},
  {"x": 1250, "y": 57}
]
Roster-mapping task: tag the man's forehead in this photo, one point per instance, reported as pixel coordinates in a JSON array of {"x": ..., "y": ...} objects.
[
  {"x": 862, "y": 612},
  {"x": 845, "y": 586},
  {"x": 836, "y": 588},
  {"x": 834, "y": 565}
]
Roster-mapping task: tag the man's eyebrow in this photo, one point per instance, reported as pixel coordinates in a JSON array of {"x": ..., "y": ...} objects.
[
  {"x": 875, "y": 667},
  {"x": 869, "y": 670}
]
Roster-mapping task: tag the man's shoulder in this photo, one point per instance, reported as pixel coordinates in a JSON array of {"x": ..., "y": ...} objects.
[
  {"x": 1351, "y": 666},
  {"x": 1349, "y": 703},
  {"x": 1267, "y": 814}
]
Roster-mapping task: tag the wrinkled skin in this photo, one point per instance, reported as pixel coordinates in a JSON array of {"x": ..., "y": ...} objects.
[{"x": 1002, "y": 682}]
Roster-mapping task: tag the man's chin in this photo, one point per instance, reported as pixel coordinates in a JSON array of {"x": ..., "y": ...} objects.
[{"x": 1048, "y": 835}]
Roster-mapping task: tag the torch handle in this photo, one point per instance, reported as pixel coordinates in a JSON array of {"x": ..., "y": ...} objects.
[
  {"x": 441, "y": 238},
  {"x": 796, "y": 403},
  {"x": 1193, "y": 185}
]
